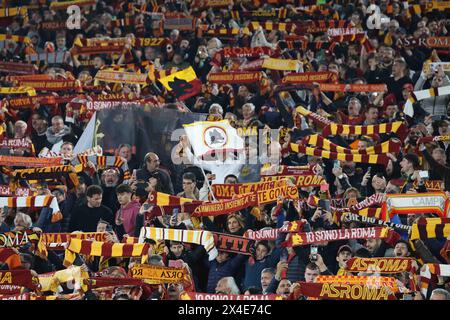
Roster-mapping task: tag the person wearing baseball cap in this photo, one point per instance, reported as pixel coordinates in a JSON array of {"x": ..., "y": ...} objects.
[{"x": 344, "y": 254}]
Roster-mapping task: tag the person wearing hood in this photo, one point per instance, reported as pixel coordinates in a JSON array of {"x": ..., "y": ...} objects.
[{"x": 59, "y": 132}]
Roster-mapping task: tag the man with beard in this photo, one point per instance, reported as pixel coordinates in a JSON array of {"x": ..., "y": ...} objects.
[
  {"x": 266, "y": 277},
  {"x": 386, "y": 61},
  {"x": 438, "y": 170},
  {"x": 110, "y": 180}
]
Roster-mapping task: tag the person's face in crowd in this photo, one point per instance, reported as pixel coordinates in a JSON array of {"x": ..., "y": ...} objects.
[
  {"x": 433, "y": 27},
  {"x": 284, "y": 287},
  {"x": 101, "y": 227},
  {"x": 214, "y": 110},
  {"x": 401, "y": 250},
  {"x": 266, "y": 277},
  {"x": 372, "y": 115},
  {"x": 111, "y": 178},
  {"x": 348, "y": 167},
  {"x": 59, "y": 196},
  {"x": 150, "y": 53},
  {"x": 188, "y": 186},
  {"x": 393, "y": 26},
  {"x": 177, "y": 249},
  {"x": 222, "y": 288},
  {"x": 60, "y": 42},
  {"x": 38, "y": 124},
  {"x": 343, "y": 257},
  {"x": 362, "y": 145},
  {"x": 437, "y": 81},
  {"x": 391, "y": 188},
  {"x": 231, "y": 180},
  {"x": 124, "y": 198},
  {"x": 372, "y": 245},
  {"x": 95, "y": 201},
  {"x": 222, "y": 256},
  {"x": 333, "y": 67},
  {"x": 391, "y": 110},
  {"x": 20, "y": 129},
  {"x": 243, "y": 92},
  {"x": 174, "y": 290},
  {"x": 152, "y": 162},
  {"x": 233, "y": 225},
  {"x": 354, "y": 107},
  {"x": 311, "y": 275},
  {"x": 202, "y": 52},
  {"x": 174, "y": 35},
  {"x": 406, "y": 166},
  {"x": 247, "y": 112},
  {"x": 48, "y": 15},
  {"x": 117, "y": 32},
  {"x": 184, "y": 44},
  {"x": 439, "y": 156},
  {"x": 81, "y": 189},
  {"x": 397, "y": 68},
  {"x": 261, "y": 252},
  {"x": 19, "y": 222},
  {"x": 443, "y": 129},
  {"x": 66, "y": 149},
  {"x": 57, "y": 125},
  {"x": 355, "y": 19},
  {"x": 98, "y": 62},
  {"x": 177, "y": 58},
  {"x": 379, "y": 183},
  {"x": 387, "y": 55},
  {"x": 125, "y": 152},
  {"x": 352, "y": 195}
]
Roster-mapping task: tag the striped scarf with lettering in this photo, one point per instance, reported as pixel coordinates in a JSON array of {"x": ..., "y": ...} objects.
[
  {"x": 103, "y": 249},
  {"x": 205, "y": 238},
  {"x": 33, "y": 202},
  {"x": 17, "y": 239},
  {"x": 105, "y": 161},
  {"x": 18, "y": 90},
  {"x": 370, "y": 281}
]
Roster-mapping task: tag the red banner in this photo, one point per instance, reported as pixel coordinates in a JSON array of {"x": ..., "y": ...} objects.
[
  {"x": 307, "y": 77},
  {"x": 339, "y": 291},
  {"x": 213, "y": 296},
  {"x": 341, "y": 87},
  {"x": 15, "y": 143},
  {"x": 51, "y": 85},
  {"x": 234, "y": 77},
  {"x": 380, "y": 265}
]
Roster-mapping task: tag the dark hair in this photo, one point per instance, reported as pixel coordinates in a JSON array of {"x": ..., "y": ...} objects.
[
  {"x": 254, "y": 290},
  {"x": 413, "y": 158},
  {"x": 123, "y": 188},
  {"x": 406, "y": 243},
  {"x": 264, "y": 243},
  {"x": 312, "y": 266},
  {"x": 189, "y": 176},
  {"x": 231, "y": 176},
  {"x": 94, "y": 189},
  {"x": 121, "y": 296}
]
